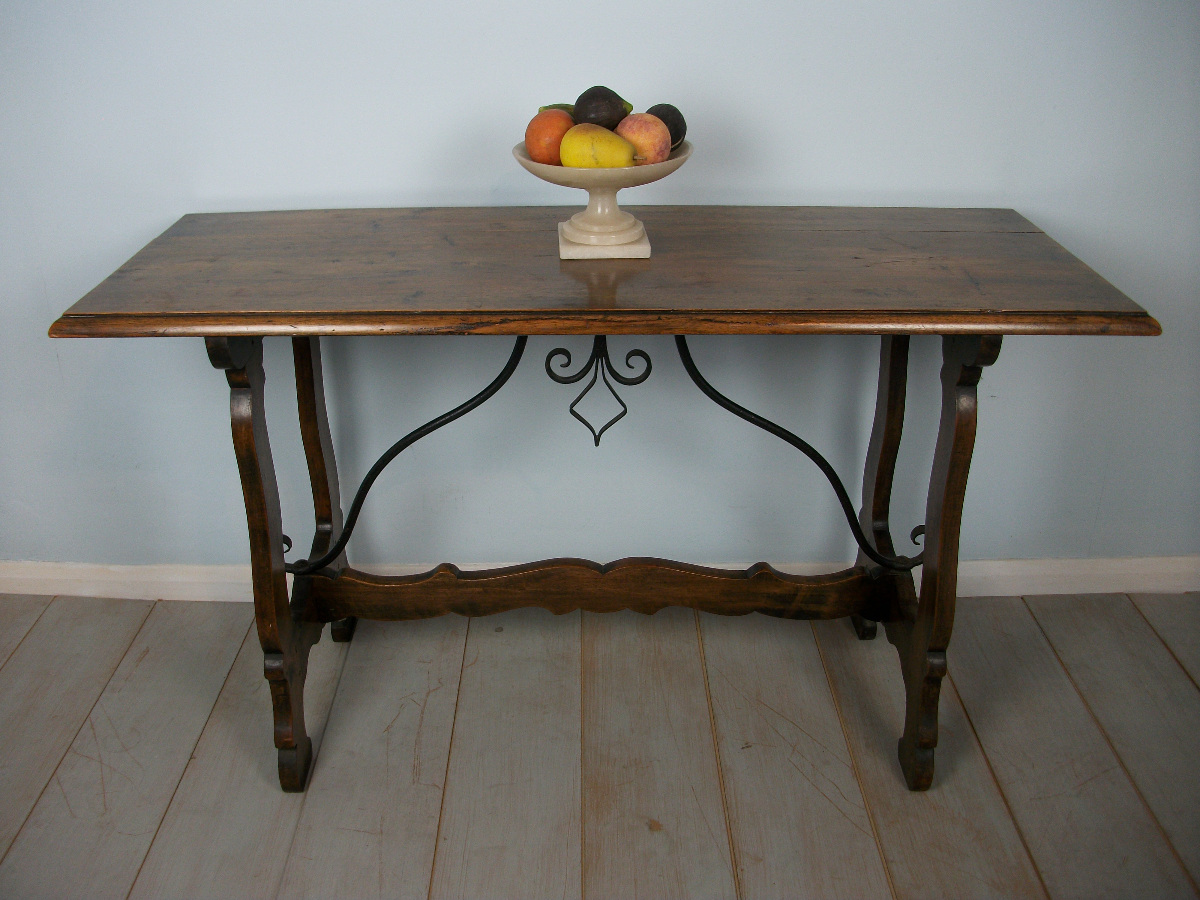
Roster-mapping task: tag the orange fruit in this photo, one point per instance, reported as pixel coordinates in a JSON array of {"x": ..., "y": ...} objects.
[{"x": 544, "y": 133}]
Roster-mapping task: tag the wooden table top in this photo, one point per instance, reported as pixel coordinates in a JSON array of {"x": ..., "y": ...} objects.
[{"x": 495, "y": 270}]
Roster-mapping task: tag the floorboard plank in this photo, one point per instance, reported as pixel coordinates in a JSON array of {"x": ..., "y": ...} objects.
[
  {"x": 229, "y": 827},
  {"x": 1176, "y": 619},
  {"x": 18, "y": 612},
  {"x": 654, "y": 822},
  {"x": 510, "y": 816},
  {"x": 955, "y": 840},
  {"x": 1145, "y": 702},
  {"x": 47, "y": 689},
  {"x": 370, "y": 817},
  {"x": 113, "y": 786},
  {"x": 633, "y": 801},
  {"x": 1086, "y": 826},
  {"x": 799, "y": 824}
]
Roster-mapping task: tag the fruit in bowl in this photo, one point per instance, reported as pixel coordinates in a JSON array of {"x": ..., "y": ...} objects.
[
  {"x": 544, "y": 135},
  {"x": 650, "y": 137},
  {"x": 600, "y": 130},
  {"x": 601, "y": 106},
  {"x": 673, "y": 119},
  {"x": 598, "y": 144},
  {"x": 592, "y": 147}
]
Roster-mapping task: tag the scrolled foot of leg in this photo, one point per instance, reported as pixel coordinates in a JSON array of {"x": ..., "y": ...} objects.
[
  {"x": 343, "y": 629},
  {"x": 917, "y": 765},
  {"x": 294, "y": 765},
  {"x": 923, "y": 683},
  {"x": 864, "y": 628},
  {"x": 286, "y": 675}
]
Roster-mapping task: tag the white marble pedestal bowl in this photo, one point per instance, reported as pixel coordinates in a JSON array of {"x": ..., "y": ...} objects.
[{"x": 603, "y": 230}]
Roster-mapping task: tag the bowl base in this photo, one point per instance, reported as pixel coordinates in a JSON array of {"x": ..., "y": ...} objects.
[{"x": 569, "y": 249}]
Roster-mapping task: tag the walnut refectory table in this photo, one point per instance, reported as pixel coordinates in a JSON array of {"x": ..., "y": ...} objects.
[{"x": 969, "y": 275}]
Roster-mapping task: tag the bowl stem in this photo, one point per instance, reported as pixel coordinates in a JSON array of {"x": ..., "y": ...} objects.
[{"x": 603, "y": 222}]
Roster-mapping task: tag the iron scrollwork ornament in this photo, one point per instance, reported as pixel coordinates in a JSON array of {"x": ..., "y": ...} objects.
[
  {"x": 601, "y": 368},
  {"x": 309, "y": 567},
  {"x": 881, "y": 560}
]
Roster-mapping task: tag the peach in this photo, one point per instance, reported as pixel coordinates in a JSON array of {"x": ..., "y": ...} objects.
[
  {"x": 544, "y": 133},
  {"x": 649, "y": 135}
]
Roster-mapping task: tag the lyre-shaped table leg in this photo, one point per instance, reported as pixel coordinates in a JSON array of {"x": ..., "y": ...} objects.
[
  {"x": 322, "y": 467},
  {"x": 286, "y": 638},
  {"x": 879, "y": 470},
  {"x": 922, "y": 635}
]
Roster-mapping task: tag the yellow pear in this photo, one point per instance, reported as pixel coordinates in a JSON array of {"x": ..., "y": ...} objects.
[{"x": 593, "y": 147}]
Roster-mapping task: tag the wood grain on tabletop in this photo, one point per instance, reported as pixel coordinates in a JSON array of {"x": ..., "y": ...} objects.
[{"x": 714, "y": 269}]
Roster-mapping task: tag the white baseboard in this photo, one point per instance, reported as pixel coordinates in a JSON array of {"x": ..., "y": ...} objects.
[
  {"x": 158, "y": 582},
  {"x": 976, "y": 578},
  {"x": 1138, "y": 575}
]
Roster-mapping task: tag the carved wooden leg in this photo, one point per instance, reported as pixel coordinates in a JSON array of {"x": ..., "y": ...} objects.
[
  {"x": 921, "y": 638},
  {"x": 285, "y": 637},
  {"x": 322, "y": 468},
  {"x": 880, "y": 469}
]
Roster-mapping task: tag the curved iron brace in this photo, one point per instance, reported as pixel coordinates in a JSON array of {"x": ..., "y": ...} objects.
[
  {"x": 896, "y": 563},
  {"x": 303, "y": 566},
  {"x": 601, "y": 367}
]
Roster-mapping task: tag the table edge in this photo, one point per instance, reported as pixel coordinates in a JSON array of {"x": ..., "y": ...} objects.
[{"x": 567, "y": 322}]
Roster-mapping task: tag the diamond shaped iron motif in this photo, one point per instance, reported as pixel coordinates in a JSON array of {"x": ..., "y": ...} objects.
[
  {"x": 598, "y": 373},
  {"x": 601, "y": 368}
]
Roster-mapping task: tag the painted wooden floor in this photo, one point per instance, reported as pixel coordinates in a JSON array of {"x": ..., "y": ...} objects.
[{"x": 672, "y": 756}]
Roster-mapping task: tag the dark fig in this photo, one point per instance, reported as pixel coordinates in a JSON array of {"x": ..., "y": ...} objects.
[
  {"x": 600, "y": 106},
  {"x": 673, "y": 119}
]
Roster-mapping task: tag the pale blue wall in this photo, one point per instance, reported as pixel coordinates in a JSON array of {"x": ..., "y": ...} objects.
[{"x": 117, "y": 118}]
